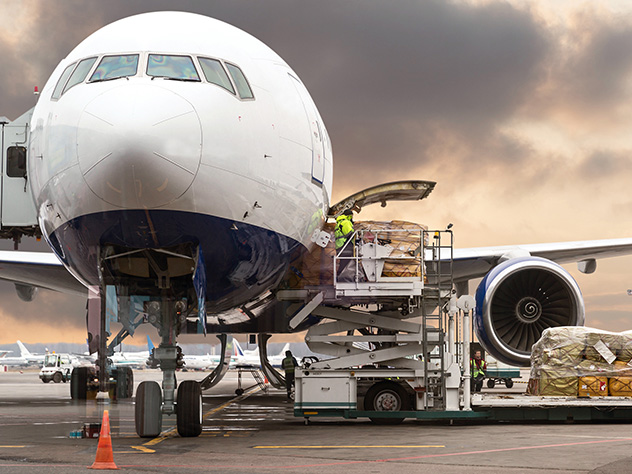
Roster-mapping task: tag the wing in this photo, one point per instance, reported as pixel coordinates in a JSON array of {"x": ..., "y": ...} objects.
[
  {"x": 38, "y": 269},
  {"x": 476, "y": 262}
]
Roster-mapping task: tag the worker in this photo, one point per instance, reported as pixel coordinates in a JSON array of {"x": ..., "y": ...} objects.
[
  {"x": 478, "y": 371},
  {"x": 288, "y": 364},
  {"x": 342, "y": 233}
]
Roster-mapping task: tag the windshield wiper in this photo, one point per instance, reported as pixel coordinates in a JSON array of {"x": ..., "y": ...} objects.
[
  {"x": 181, "y": 79},
  {"x": 109, "y": 79}
]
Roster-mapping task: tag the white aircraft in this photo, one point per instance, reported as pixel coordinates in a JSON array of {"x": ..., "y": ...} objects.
[
  {"x": 201, "y": 362},
  {"x": 177, "y": 159},
  {"x": 134, "y": 359},
  {"x": 29, "y": 357},
  {"x": 252, "y": 358}
]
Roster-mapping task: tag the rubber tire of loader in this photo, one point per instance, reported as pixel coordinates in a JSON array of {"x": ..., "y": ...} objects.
[
  {"x": 189, "y": 409},
  {"x": 148, "y": 410},
  {"x": 383, "y": 391},
  {"x": 79, "y": 383}
]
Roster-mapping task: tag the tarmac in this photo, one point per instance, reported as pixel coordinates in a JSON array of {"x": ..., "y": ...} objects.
[{"x": 258, "y": 433}]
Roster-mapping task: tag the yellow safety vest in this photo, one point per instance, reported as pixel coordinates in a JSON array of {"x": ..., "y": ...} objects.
[{"x": 344, "y": 230}]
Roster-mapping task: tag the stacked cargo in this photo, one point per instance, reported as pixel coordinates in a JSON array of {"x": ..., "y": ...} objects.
[
  {"x": 581, "y": 361},
  {"x": 402, "y": 239}
]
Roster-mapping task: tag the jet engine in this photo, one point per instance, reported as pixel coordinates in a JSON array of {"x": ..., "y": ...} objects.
[
  {"x": 519, "y": 299},
  {"x": 25, "y": 292}
]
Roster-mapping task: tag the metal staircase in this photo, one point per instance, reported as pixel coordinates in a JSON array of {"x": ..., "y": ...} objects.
[{"x": 436, "y": 295}]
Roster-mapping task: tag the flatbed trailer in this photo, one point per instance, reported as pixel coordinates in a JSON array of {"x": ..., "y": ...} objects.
[{"x": 498, "y": 408}]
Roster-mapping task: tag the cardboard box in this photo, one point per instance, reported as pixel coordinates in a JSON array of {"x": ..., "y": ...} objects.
[{"x": 593, "y": 387}]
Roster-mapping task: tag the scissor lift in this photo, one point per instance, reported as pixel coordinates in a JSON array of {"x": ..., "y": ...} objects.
[{"x": 385, "y": 332}]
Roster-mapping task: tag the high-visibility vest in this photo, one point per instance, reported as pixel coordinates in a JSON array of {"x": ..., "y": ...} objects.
[
  {"x": 478, "y": 369},
  {"x": 288, "y": 365},
  {"x": 344, "y": 229}
]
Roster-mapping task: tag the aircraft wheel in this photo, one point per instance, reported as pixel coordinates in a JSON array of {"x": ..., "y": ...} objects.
[
  {"x": 189, "y": 409},
  {"x": 79, "y": 383},
  {"x": 386, "y": 396},
  {"x": 124, "y": 383},
  {"x": 491, "y": 383},
  {"x": 57, "y": 377},
  {"x": 148, "y": 409},
  {"x": 508, "y": 383}
]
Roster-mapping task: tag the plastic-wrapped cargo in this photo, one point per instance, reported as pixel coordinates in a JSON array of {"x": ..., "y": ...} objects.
[
  {"x": 581, "y": 361},
  {"x": 401, "y": 238}
]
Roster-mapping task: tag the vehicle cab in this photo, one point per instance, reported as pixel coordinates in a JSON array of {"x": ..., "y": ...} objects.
[{"x": 57, "y": 367}]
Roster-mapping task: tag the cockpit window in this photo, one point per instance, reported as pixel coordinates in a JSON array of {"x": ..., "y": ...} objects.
[
  {"x": 113, "y": 67},
  {"x": 245, "y": 92},
  {"x": 80, "y": 73},
  {"x": 215, "y": 73},
  {"x": 62, "y": 81},
  {"x": 172, "y": 67}
]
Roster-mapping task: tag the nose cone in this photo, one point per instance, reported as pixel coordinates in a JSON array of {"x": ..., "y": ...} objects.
[{"x": 139, "y": 146}]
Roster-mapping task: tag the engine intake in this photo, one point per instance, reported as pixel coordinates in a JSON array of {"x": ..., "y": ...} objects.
[{"x": 518, "y": 300}]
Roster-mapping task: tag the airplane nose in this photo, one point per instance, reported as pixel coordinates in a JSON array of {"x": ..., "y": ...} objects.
[{"x": 139, "y": 146}]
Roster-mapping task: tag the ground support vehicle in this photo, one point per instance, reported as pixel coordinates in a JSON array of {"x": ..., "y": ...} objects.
[
  {"x": 505, "y": 375},
  {"x": 56, "y": 368},
  {"x": 396, "y": 351}
]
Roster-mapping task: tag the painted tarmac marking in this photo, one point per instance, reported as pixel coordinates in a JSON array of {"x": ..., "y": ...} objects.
[
  {"x": 172, "y": 432},
  {"x": 343, "y": 463},
  {"x": 349, "y": 446},
  {"x": 6, "y": 446}
]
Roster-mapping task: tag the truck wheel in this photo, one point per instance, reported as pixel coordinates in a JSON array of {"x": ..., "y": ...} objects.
[
  {"x": 189, "y": 409},
  {"x": 46, "y": 380},
  {"x": 491, "y": 383},
  {"x": 508, "y": 383},
  {"x": 79, "y": 383},
  {"x": 148, "y": 410},
  {"x": 386, "y": 396},
  {"x": 57, "y": 377}
]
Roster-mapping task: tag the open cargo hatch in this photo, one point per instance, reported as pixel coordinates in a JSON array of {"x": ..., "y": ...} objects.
[{"x": 395, "y": 191}]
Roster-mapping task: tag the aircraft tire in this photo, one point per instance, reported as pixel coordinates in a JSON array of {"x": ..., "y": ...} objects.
[
  {"x": 189, "y": 409},
  {"x": 79, "y": 383},
  {"x": 148, "y": 410},
  {"x": 386, "y": 396}
]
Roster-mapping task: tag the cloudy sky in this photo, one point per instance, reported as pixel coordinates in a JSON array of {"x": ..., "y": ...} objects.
[{"x": 520, "y": 110}]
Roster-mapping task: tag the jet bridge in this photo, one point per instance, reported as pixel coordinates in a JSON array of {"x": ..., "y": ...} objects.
[{"x": 18, "y": 216}]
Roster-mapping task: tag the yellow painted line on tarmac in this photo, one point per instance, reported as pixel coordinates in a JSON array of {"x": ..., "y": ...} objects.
[
  {"x": 230, "y": 402},
  {"x": 350, "y": 446},
  {"x": 171, "y": 433},
  {"x": 142, "y": 449},
  {"x": 8, "y": 446}
]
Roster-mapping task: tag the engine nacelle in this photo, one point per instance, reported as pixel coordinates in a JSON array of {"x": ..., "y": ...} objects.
[
  {"x": 519, "y": 299},
  {"x": 25, "y": 292}
]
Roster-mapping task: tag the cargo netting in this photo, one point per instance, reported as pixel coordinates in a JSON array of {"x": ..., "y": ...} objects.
[
  {"x": 580, "y": 361},
  {"x": 401, "y": 238}
]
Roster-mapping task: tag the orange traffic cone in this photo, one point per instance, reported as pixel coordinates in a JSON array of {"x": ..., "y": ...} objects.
[{"x": 105, "y": 457}]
